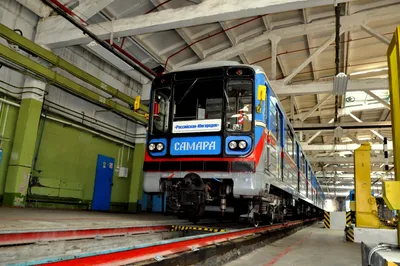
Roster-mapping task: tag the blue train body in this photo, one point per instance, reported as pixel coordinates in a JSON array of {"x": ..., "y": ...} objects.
[{"x": 219, "y": 140}]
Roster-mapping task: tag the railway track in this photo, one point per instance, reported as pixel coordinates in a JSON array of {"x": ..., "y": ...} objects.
[{"x": 128, "y": 245}]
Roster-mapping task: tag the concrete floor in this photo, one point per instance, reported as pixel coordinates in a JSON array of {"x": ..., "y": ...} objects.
[
  {"x": 310, "y": 246},
  {"x": 12, "y": 219}
]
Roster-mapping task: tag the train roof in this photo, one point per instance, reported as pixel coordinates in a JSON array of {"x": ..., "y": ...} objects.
[{"x": 211, "y": 64}]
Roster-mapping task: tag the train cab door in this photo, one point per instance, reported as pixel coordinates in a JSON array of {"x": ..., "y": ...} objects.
[
  {"x": 273, "y": 121},
  {"x": 281, "y": 132}
]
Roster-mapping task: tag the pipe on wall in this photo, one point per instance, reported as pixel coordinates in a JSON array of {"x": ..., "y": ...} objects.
[
  {"x": 74, "y": 125},
  {"x": 88, "y": 130}
]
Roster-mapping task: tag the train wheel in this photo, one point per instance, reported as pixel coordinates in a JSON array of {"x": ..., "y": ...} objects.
[{"x": 195, "y": 214}]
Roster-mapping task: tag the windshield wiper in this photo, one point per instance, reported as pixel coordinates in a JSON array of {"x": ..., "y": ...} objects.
[{"x": 186, "y": 93}]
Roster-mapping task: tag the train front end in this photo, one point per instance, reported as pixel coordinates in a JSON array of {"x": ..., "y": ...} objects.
[{"x": 201, "y": 143}]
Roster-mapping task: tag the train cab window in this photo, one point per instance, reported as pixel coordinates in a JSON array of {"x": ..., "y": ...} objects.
[
  {"x": 161, "y": 104},
  {"x": 198, "y": 100},
  {"x": 239, "y": 108}
]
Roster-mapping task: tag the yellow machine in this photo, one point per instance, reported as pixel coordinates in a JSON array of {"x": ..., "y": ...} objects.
[
  {"x": 391, "y": 189},
  {"x": 366, "y": 209}
]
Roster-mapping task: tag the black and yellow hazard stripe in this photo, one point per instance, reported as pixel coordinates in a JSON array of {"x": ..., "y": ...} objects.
[
  {"x": 348, "y": 218},
  {"x": 327, "y": 220},
  {"x": 195, "y": 228},
  {"x": 349, "y": 233}
]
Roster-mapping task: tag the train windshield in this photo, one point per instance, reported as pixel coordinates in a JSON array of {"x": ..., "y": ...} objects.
[
  {"x": 239, "y": 105},
  {"x": 198, "y": 100},
  {"x": 198, "y": 106}
]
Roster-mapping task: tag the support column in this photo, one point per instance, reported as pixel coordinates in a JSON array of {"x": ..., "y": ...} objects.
[
  {"x": 366, "y": 208},
  {"x": 23, "y": 149},
  {"x": 136, "y": 187}
]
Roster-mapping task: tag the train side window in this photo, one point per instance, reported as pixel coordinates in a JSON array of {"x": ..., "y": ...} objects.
[
  {"x": 289, "y": 141},
  {"x": 278, "y": 127},
  {"x": 273, "y": 118}
]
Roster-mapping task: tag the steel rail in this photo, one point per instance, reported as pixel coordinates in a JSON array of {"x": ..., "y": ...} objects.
[
  {"x": 26, "y": 237},
  {"x": 134, "y": 254}
]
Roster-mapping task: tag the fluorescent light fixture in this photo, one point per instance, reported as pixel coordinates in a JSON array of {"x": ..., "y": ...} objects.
[
  {"x": 340, "y": 84},
  {"x": 368, "y": 71}
]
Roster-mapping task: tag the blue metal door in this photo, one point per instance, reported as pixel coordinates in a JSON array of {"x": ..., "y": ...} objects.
[{"x": 103, "y": 183}]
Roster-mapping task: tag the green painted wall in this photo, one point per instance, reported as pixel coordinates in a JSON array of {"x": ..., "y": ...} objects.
[
  {"x": 8, "y": 120},
  {"x": 70, "y": 155}
]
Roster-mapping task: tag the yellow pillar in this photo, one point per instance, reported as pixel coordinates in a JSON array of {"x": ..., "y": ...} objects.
[
  {"x": 366, "y": 208},
  {"x": 391, "y": 189}
]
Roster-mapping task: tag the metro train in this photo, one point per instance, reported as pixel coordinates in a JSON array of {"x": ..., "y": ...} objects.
[{"x": 219, "y": 140}]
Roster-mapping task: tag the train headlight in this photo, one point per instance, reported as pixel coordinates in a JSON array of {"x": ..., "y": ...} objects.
[
  {"x": 232, "y": 145},
  {"x": 242, "y": 144},
  {"x": 160, "y": 146},
  {"x": 152, "y": 146}
]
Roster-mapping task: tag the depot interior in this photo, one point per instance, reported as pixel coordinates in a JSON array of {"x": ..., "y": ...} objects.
[{"x": 58, "y": 127}]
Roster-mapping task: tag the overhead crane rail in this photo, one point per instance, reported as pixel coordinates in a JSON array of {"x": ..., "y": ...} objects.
[{"x": 135, "y": 109}]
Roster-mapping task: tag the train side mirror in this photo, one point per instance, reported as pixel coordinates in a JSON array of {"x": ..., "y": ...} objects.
[{"x": 262, "y": 92}]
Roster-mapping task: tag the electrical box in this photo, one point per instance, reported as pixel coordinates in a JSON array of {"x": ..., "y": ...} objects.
[{"x": 123, "y": 172}]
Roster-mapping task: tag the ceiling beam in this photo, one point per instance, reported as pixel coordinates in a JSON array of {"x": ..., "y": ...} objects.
[
  {"x": 318, "y": 133},
  {"x": 327, "y": 87},
  {"x": 298, "y": 126},
  {"x": 345, "y": 160},
  {"x": 85, "y": 10},
  {"x": 310, "y": 58},
  {"x": 342, "y": 147},
  {"x": 353, "y": 138},
  {"x": 203, "y": 13},
  {"x": 274, "y": 54},
  {"x": 345, "y": 111},
  {"x": 376, "y": 34},
  {"x": 360, "y": 121},
  {"x": 37, "y": 7},
  {"x": 318, "y": 105},
  {"x": 305, "y": 21},
  {"x": 343, "y": 169},
  {"x": 319, "y": 26},
  {"x": 182, "y": 32},
  {"x": 375, "y": 97}
]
